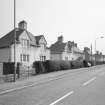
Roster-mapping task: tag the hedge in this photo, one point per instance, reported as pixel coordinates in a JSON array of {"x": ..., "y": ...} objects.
[
  {"x": 100, "y": 63},
  {"x": 50, "y": 66},
  {"x": 65, "y": 65},
  {"x": 76, "y": 64},
  {"x": 8, "y": 68},
  {"x": 39, "y": 68}
]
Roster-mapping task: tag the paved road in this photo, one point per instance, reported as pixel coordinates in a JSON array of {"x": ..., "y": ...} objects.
[{"x": 82, "y": 87}]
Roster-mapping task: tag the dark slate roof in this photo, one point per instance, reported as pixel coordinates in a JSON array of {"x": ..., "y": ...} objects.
[
  {"x": 8, "y": 39},
  {"x": 32, "y": 38},
  {"x": 57, "y": 47},
  {"x": 38, "y": 38}
]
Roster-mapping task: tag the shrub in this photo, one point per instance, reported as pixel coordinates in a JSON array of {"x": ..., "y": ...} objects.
[
  {"x": 39, "y": 67},
  {"x": 103, "y": 62},
  {"x": 8, "y": 68},
  {"x": 99, "y": 62},
  {"x": 64, "y": 65},
  {"x": 51, "y": 66},
  {"x": 85, "y": 63},
  {"x": 76, "y": 64}
]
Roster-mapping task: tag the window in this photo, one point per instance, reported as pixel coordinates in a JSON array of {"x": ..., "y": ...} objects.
[
  {"x": 42, "y": 58},
  {"x": 24, "y": 57},
  {"x": 21, "y": 57},
  {"x": 27, "y": 58},
  {"x": 25, "y": 43}
]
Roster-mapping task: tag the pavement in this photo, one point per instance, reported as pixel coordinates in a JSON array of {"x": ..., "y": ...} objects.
[{"x": 35, "y": 80}]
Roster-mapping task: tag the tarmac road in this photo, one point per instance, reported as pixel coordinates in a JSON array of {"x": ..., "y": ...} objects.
[{"x": 79, "y": 87}]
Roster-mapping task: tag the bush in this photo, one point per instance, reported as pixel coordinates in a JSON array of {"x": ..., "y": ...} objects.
[
  {"x": 39, "y": 67},
  {"x": 103, "y": 62},
  {"x": 76, "y": 64},
  {"x": 64, "y": 65},
  {"x": 51, "y": 66},
  {"x": 47, "y": 66},
  {"x": 99, "y": 62},
  {"x": 8, "y": 68},
  {"x": 85, "y": 63}
]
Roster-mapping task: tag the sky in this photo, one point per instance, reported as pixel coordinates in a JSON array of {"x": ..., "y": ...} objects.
[{"x": 81, "y": 21}]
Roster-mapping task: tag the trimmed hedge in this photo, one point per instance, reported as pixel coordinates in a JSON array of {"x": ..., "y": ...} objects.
[
  {"x": 85, "y": 63},
  {"x": 100, "y": 63},
  {"x": 39, "y": 67},
  {"x": 8, "y": 68},
  {"x": 65, "y": 65},
  {"x": 50, "y": 66},
  {"x": 76, "y": 64}
]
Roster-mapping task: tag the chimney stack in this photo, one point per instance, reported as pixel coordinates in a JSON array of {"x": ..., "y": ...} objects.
[
  {"x": 60, "y": 39},
  {"x": 23, "y": 25}
]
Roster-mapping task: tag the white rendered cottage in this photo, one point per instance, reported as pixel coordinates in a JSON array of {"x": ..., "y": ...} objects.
[
  {"x": 29, "y": 48},
  {"x": 65, "y": 51}
]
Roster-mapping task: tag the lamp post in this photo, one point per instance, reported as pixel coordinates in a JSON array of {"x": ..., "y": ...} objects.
[
  {"x": 14, "y": 40},
  {"x": 95, "y": 47},
  {"x": 91, "y": 53}
]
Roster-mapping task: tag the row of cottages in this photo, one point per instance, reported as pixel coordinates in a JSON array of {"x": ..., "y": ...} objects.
[
  {"x": 65, "y": 51},
  {"x": 29, "y": 48}
]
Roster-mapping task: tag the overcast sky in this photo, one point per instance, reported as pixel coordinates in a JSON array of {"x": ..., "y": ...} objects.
[{"x": 81, "y": 21}]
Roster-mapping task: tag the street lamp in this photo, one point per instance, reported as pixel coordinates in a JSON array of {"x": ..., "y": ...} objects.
[
  {"x": 91, "y": 52},
  {"x": 14, "y": 40},
  {"x": 95, "y": 46}
]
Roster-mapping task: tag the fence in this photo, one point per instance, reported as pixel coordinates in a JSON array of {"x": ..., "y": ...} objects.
[
  {"x": 26, "y": 71},
  {"x": 7, "y": 72}
]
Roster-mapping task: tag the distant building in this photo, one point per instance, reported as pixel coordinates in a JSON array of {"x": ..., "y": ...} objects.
[
  {"x": 65, "y": 51},
  {"x": 99, "y": 57},
  {"x": 76, "y": 52},
  {"x": 29, "y": 48},
  {"x": 87, "y": 54}
]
